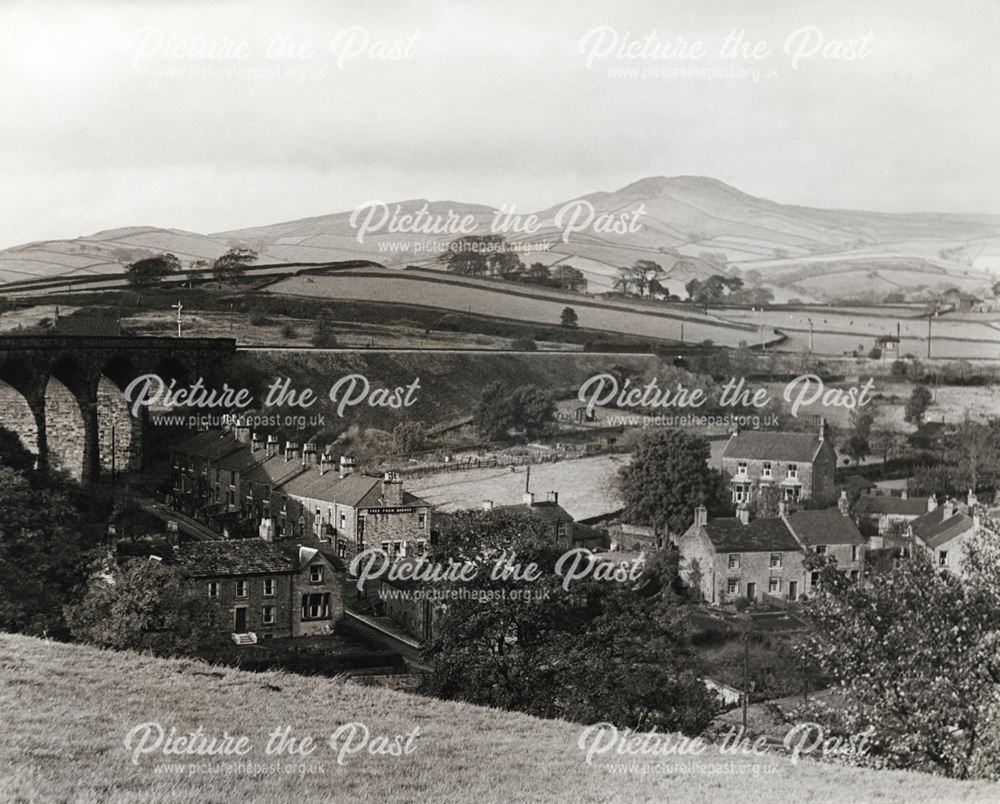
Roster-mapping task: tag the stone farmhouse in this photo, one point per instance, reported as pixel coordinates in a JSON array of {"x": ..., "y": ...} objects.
[{"x": 800, "y": 466}]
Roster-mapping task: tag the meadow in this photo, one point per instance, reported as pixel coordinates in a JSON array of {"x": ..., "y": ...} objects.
[{"x": 69, "y": 709}]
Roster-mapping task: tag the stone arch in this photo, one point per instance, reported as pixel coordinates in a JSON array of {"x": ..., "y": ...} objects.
[
  {"x": 119, "y": 433},
  {"x": 17, "y": 416},
  {"x": 65, "y": 429}
]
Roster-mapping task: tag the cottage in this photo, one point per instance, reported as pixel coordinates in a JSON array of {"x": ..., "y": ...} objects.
[
  {"x": 800, "y": 466},
  {"x": 943, "y": 532},
  {"x": 830, "y": 533},
  {"x": 884, "y": 516},
  {"x": 562, "y": 530}
]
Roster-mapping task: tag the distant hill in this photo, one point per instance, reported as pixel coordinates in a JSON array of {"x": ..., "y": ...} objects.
[
  {"x": 690, "y": 225},
  {"x": 68, "y": 710}
]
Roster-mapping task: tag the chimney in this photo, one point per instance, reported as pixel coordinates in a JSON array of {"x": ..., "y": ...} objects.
[
  {"x": 843, "y": 504},
  {"x": 291, "y": 450},
  {"x": 700, "y": 516},
  {"x": 242, "y": 432},
  {"x": 487, "y": 505},
  {"x": 272, "y": 446},
  {"x": 392, "y": 489},
  {"x": 553, "y": 497},
  {"x": 346, "y": 466},
  {"x": 743, "y": 514},
  {"x": 309, "y": 454},
  {"x": 932, "y": 503},
  {"x": 255, "y": 442},
  {"x": 528, "y": 498},
  {"x": 324, "y": 464},
  {"x": 971, "y": 500},
  {"x": 948, "y": 509}
]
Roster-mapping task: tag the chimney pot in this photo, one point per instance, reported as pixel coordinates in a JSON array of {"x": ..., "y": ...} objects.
[
  {"x": 700, "y": 516},
  {"x": 553, "y": 497},
  {"x": 932, "y": 503},
  {"x": 487, "y": 505},
  {"x": 528, "y": 498}
]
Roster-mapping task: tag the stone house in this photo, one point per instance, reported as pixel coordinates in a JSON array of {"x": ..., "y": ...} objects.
[
  {"x": 562, "y": 529},
  {"x": 265, "y": 590},
  {"x": 943, "y": 532},
  {"x": 882, "y": 517},
  {"x": 800, "y": 466},
  {"x": 732, "y": 557}
]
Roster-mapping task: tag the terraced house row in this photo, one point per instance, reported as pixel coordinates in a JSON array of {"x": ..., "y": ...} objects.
[{"x": 245, "y": 486}]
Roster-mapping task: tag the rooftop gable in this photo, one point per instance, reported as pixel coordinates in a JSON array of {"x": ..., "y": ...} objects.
[
  {"x": 773, "y": 446},
  {"x": 827, "y": 526}
]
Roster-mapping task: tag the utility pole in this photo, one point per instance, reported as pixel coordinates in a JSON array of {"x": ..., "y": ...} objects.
[
  {"x": 810, "y": 335},
  {"x": 746, "y": 677},
  {"x": 930, "y": 319},
  {"x": 178, "y": 307}
]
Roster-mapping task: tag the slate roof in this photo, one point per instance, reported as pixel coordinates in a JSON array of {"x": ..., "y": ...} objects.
[
  {"x": 935, "y": 530},
  {"x": 212, "y": 444},
  {"x": 883, "y": 504},
  {"x": 241, "y": 460},
  {"x": 357, "y": 491},
  {"x": 236, "y": 557},
  {"x": 545, "y": 510},
  {"x": 824, "y": 527},
  {"x": 730, "y": 535},
  {"x": 274, "y": 470},
  {"x": 772, "y": 446}
]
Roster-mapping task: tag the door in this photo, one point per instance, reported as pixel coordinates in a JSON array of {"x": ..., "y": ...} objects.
[
  {"x": 751, "y": 591},
  {"x": 241, "y": 620},
  {"x": 793, "y": 590}
]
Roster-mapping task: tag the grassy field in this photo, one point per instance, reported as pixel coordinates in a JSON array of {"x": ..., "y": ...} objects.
[
  {"x": 438, "y": 290},
  {"x": 68, "y": 710}
]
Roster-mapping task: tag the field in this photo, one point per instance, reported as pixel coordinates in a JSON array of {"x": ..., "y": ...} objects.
[
  {"x": 68, "y": 710},
  {"x": 521, "y": 303},
  {"x": 955, "y": 336}
]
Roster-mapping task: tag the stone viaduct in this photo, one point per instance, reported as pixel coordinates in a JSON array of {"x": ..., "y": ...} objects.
[{"x": 64, "y": 395}]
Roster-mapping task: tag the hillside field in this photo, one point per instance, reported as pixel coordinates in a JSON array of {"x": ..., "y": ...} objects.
[{"x": 68, "y": 710}]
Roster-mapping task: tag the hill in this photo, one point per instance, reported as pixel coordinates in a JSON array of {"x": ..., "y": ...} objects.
[
  {"x": 68, "y": 710},
  {"x": 688, "y": 224}
]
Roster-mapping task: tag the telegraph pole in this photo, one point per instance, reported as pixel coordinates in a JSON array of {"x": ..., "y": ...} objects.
[{"x": 178, "y": 307}]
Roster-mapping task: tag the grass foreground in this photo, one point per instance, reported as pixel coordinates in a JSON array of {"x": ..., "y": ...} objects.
[{"x": 68, "y": 709}]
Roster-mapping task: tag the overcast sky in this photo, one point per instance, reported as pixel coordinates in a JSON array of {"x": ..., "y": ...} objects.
[{"x": 123, "y": 113}]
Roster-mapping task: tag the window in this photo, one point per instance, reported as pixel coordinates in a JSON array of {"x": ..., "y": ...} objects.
[
  {"x": 316, "y": 573},
  {"x": 793, "y": 471},
  {"x": 342, "y": 549},
  {"x": 733, "y": 586},
  {"x": 766, "y": 469},
  {"x": 397, "y": 549},
  {"x": 316, "y": 606},
  {"x": 814, "y": 579},
  {"x": 421, "y": 520},
  {"x": 793, "y": 590},
  {"x": 855, "y": 575},
  {"x": 241, "y": 589},
  {"x": 741, "y": 468},
  {"x": 775, "y": 560},
  {"x": 269, "y": 587},
  {"x": 942, "y": 558},
  {"x": 421, "y": 547},
  {"x": 855, "y": 552},
  {"x": 387, "y": 548},
  {"x": 820, "y": 549},
  {"x": 343, "y": 520},
  {"x": 267, "y": 615},
  {"x": 741, "y": 492},
  {"x": 213, "y": 590},
  {"x": 774, "y": 586},
  {"x": 734, "y": 561},
  {"x": 792, "y": 494}
]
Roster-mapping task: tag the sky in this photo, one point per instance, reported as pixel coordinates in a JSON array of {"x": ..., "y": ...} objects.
[{"x": 218, "y": 115}]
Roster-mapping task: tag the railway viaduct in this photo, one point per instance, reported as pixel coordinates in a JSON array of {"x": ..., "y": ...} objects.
[{"x": 64, "y": 395}]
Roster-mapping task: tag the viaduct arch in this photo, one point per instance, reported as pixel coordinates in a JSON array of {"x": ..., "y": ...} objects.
[{"x": 64, "y": 395}]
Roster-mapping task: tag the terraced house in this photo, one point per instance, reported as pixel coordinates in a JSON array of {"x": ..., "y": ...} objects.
[
  {"x": 739, "y": 557},
  {"x": 248, "y": 487},
  {"x": 800, "y": 466}
]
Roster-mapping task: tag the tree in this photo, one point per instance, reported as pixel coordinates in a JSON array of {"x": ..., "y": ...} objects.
[
  {"x": 916, "y": 653},
  {"x": 494, "y": 416},
  {"x": 233, "y": 264},
  {"x": 324, "y": 331},
  {"x": 150, "y": 272},
  {"x": 712, "y": 290},
  {"x": 482, "y": 255},
  {"x": 859, "y": 439},
  {"x": 532, "y": 410},
  {"x": 43, "y": 554},
  {"x": 637, "y": 279},
  {"x": 568, "y": 317},
  {"x": 916, "y": 408},
  {"x": 145, "y": 604},
  {"x": 409, "y": 437},
  {"x": 568, "y": 278},
  {"x": 667, "y": 478},
  {"x": 597, "y": 651}
]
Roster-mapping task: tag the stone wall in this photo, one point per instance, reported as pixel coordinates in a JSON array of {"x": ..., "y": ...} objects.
[{"x": 16, "y": 415}]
